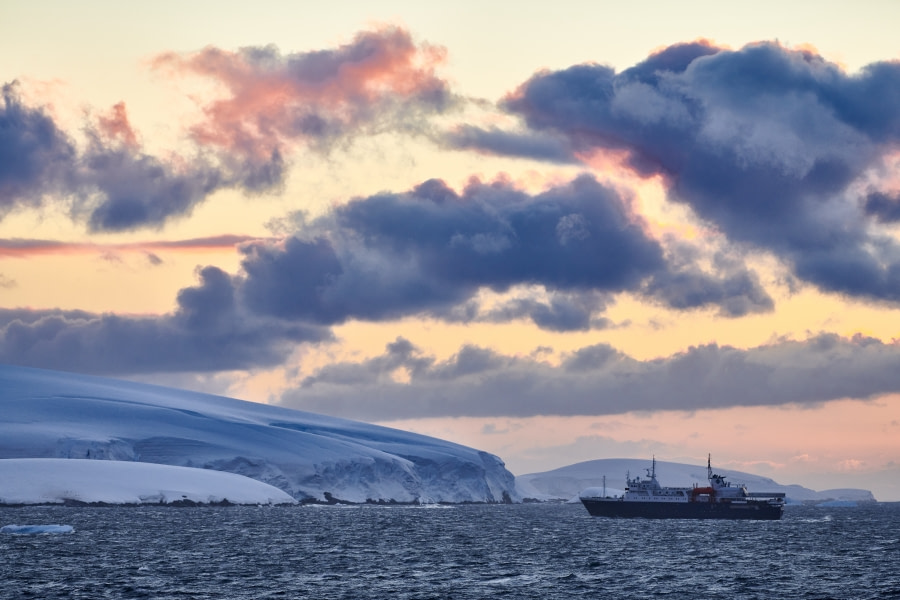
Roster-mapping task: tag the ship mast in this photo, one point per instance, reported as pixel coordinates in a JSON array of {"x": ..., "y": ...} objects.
[{"x": 709, "y": 466}]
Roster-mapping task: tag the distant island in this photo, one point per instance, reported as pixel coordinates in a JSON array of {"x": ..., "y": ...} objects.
[{"x": 567, "y": 482}]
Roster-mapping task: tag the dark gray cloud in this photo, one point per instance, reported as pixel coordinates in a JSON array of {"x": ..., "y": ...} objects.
[
  {"x": 561, "y": 312},
  {"x": 122, "y": 189},
  {"x": 764, "y": 142},
  {"x": 737, "y": 294},
  {"x": 524, "y": 144},
  {"x": 35, "y": 155},
  {"x": 597, "y": 380},
  {"x": 430, "y": 250},
  {"x": 209, "y": 331},
  {"x": 884, "y": 207}
]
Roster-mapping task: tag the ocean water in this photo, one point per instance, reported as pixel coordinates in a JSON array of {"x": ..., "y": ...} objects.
[{"x": 518, "y": 551}]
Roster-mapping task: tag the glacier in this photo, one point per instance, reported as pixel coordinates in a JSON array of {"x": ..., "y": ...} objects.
[{"x": 313, "y": 458}]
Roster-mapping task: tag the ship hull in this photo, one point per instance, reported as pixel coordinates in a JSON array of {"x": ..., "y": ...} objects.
[{"x": 622, "y": 509}]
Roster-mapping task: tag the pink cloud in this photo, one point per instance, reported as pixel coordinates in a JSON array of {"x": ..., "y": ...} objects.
[
  {"x": 27, "y": 248},
  {"x": 115, "y": 126},
  {"x": 274, "y": 100}
]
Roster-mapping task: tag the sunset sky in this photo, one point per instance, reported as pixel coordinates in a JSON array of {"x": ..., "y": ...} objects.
[{"x": 553, "y": 231}]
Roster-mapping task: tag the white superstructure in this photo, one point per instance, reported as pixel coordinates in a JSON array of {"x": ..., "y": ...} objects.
[{"x": 649, "y": 490}]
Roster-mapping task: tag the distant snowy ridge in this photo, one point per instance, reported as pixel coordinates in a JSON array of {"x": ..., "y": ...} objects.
[
  {"x": 49, "y": 414},
  {"x": 566, "y": 483},
  {"x": 60, "y": 480}
]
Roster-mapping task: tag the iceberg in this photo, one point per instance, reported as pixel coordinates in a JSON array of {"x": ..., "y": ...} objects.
[{"x": 838, "y": 504}]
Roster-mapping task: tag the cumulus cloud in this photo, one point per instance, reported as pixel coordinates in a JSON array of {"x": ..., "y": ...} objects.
[
  {"x": 597, "y": 380},
  {"x": 767, "y": 143},
  {"x": 430, "y": 250}
]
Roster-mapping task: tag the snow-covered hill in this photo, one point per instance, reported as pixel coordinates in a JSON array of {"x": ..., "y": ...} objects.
[
  {"x": 49, "y": 414},
  {"x": 58, "y": 480},
  {"x": 568, "y": 482}
]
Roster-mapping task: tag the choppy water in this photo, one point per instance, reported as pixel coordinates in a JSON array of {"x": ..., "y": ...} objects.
[{"x": 520, "y": 551}]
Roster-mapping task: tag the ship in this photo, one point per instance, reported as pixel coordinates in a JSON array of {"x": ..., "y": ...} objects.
[{"x": 646, "y": 498}]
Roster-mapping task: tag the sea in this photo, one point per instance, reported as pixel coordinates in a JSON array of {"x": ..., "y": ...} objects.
[{"x": 464, "y": 551}]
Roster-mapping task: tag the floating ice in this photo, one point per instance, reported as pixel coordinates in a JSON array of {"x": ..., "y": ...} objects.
[
  {"x": 838, "y": 503},
  {"x": 36, "y": 529}
]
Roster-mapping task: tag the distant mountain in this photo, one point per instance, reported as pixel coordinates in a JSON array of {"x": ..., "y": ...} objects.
[
  {"x": 49, "y": 414},
  {"x": 568, "y": 482}
]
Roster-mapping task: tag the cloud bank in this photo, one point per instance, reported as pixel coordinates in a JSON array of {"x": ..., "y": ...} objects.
[
  {"x": 557, "y": 258},
  {"x": 599, "y": 380},
  {"x": 209, "y": 331}
]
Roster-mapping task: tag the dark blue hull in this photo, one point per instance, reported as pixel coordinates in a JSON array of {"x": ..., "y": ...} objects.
[{"x": 620, "y": 509}]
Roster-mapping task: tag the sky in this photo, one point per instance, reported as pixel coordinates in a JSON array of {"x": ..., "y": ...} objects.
[{"x": 553, "y": 231}]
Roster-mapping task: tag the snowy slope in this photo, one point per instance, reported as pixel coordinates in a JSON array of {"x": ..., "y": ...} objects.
[
  {"x": 55, "y": 480},
  {"x": 568, "y": 482},
  {"x": 49, "y": 414}
]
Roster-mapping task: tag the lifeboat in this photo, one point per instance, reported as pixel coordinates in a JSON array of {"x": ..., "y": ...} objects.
[{"x": 702, "y": 491}]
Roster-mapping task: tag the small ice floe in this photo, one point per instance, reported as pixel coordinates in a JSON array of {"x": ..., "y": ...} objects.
[
  {"x": 838, "y": 503},
  {"x": 36, "y": 529}
]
